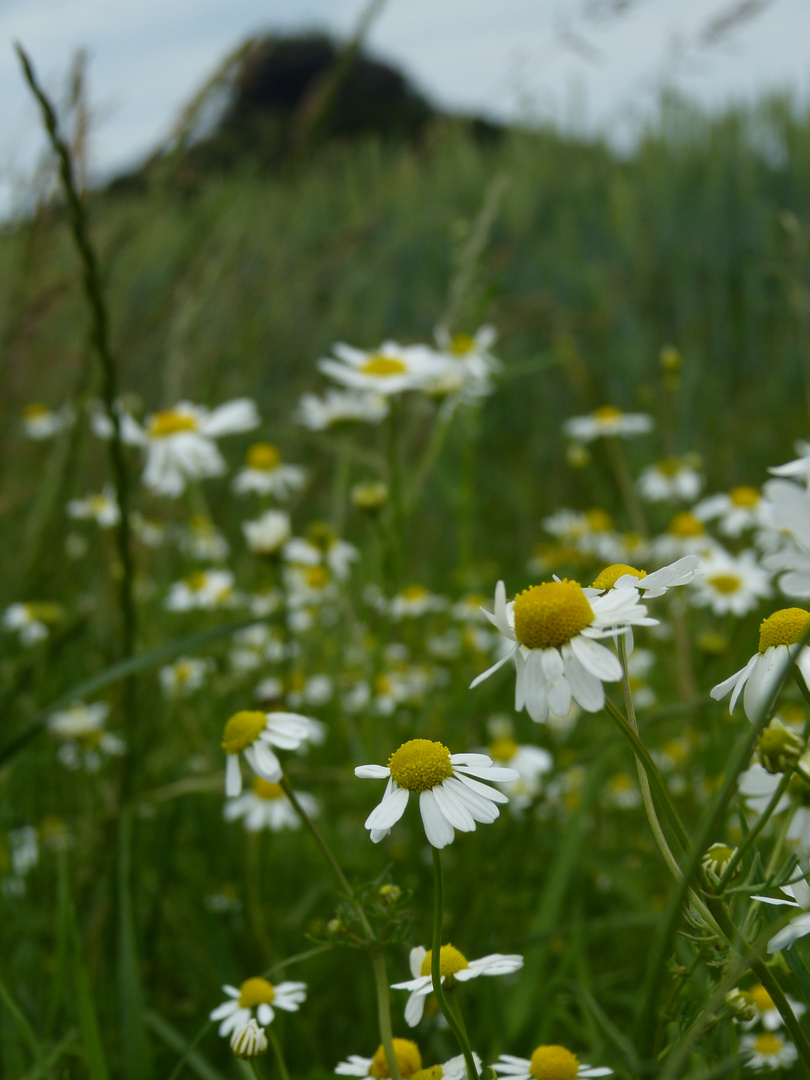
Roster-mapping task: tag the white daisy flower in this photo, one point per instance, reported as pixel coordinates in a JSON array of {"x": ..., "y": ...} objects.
[
  {"x": 413, "y": 601},
  {"x": 40, "y": 422},
  {"x": 389, "y": 370},
  {"x": 31, "y": 621},
  {"x": 259, "y": 996},
  {"x": 757, "y": 786},
  {"x": 670, "y": 480},
  {"x": 268, "y": 534},
  {"x": 768, "y": 1051},
  {"x": 531, "y": 763},
  {"x": 799, "y": 926},
  {"x": 266, "y": 474},
  {"x": 183, "y": 677},
  {"x": 455, "y": 968},
  {"x": 450, "y": 797},
  {"x": 102, "y": 508},
  {"x": 253, "y": 733},
  {"x": 553, "y": 628},
  {"x": 322, "y": 546},
  {"x": 409, "y": 1060},
  {"x": 256, "y": 646},
  {"x": 799, "y": 468},
  {"x": 469, "y": 364},
  {"x": 266, "y": 806},
  {"x": 651, "y": 585},
  {"x": 203, "y": 590},
  {"x": 779, "y": 635},
  {"x": 731, "y": 584},
  {"x": 85, "y": 743},
  {"x": 605, "y": 421},
  {"x": 768, "y": 1014},
  {"x": 249, "y": 1041},
  {"x": 202, "y": 540},
  {"x": 179, "y": 442},
  {"x": 787, "y": 510},
  {"x": 338, "y": 407},
  {"x": 589, "y": 532},
  {"x": 740, "y": 509},
  {"x": 547, "y": 1063}
]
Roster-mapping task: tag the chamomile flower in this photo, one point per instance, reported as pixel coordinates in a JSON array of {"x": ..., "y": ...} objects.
[
  {"x": 259, "y": 996},
  {"x": 799, "y": 926},
  {"x": 266, "y": 474},
  {"x": 767, "y": 1013},
  {"x": 203, "y": 590},
  {"x": 202, "y": 540},
  {"x": 670, "y": 480},
  {"x": 102, "y": 508},
  {"x": 606, "y": 421},
  {"x": 389, "y": 370},
  {"x": 739, "y": 509},
  {"x": 450, "y": 796},
  {"x": 547, "y": 1063},
  {"x": 322, "y": 547},
  {"x": 651, "y": 585},
  {"x": 40, "y": 422},
  {"x": 413, "y": 601},
  {"x": 768, "y": 1051},
  {"x": 409, "y": 1061},
  {"x": 253, "y": 734},
  {"x": 779, "y": 636},
  {"x": 84, "y": 742},
  {"x": 469, "y": 364},
  {"x": 685, "y": 535},
  {"x": 531, "y": 763},
  {"x": 267, "y": 535},
  {"x": 180, "y": 445},
  {"x": 32, "y": 621},
  {"x": 454, "y": 967},
  {"x": 249, "y": 1041},
  {"x": 339, "y": 407},
  {"x": 553, "y": 629},
  {"x": 266, "y": 806},
  {"x": 185, "y": 676},
  {"x": 731, "y": 584}
]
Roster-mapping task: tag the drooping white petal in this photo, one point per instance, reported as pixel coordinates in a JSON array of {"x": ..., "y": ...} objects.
[
  {"x": 390, "y": 810},
  {"x": 453, "y": 808},
  {"x": 490, "y": 670},
  {"x": 438, "y": 829},
  {"x": 264, "y": 762},
  {"x": 596, "y": 658},
  {"x": 490, "y": 793},
  {"x": 233, "y": 776}
]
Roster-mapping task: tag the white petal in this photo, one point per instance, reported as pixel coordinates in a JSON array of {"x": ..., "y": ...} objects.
[
  {"x": 389, "y": 811},
  {"x": 372, "y": 772},
  {"x": 596, "y": 658},
  {"x": 481, "y": 790},
  {"x": 234, "y": 416},
  {"x": 414, "y": 1009},
  {"x": 453, "y": 808},
  {"x": 795, "y": 929},
  {"x": 265, "y": 1014},
  {"x": 490, "y": 670},
  {"x": 233, "y": 776},
  {"x": 264, "y": 762},
  {"x": 438, "y": 829}
]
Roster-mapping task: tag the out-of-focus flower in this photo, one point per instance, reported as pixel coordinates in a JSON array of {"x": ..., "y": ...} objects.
[
  {"x": 389, "y": 370},
  {"x": 742, "y": 508},
  {"x": 249, "y": 1041},
  {"x": 102, "y": 508},
  {"x": 266, "y": 474},
  {"x": 768, "y": 1051},
  {"x": 253, "y": 734},
  {"x": 671, "y": 480},
  {"x": 731, "y": 584},
  {"x": 268, "y": 534},
  {"x": 40, "y": 422},
  {"x": 606, "y": 421},
  {"x": 85, "y": 743},
  {"x": 31, "y": 621},
  {"x": 202, "y": 590},
  {"x": 266, "y": 806},
  {"x": 409, "y": 1061},
  {"x": 322, "y": 546},
  {"x": 339, "y": 407},
  {"x": 257, "y": 995},
  {"x": 454, "y": 968},
  {"x": 183, "y": 677}
]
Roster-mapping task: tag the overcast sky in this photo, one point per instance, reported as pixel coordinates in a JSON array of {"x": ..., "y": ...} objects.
[{"x": 570, "y": 60}]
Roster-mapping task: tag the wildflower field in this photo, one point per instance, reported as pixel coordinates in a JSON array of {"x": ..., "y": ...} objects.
[{"x": 407, "y": 564}]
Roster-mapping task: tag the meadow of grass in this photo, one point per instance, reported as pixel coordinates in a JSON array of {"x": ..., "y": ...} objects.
[{"x": 142, "y": 901}]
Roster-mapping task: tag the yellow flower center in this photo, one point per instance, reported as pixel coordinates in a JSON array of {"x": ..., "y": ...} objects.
[
  {"x": 98, "y": 503},
  {"x": 607, "y": 413},
  {"x": 383, "y": 684},
  {"x": 435, "y": 1072},
  {"x": 725, "y": 583},
  {"x": 263, "y": 456},
  {"x": 669, "y": 467},
  {"x": 183, "y": 671},
  {"x": 197, "y": 580},
  {"x": 90, "y": 740},
  {"x": 414, "y": 592},
  {"x": 451, "y": 961},
  {"x": 610, "y": 575},
  {"x": 621, "y": 782},
  {"x": 503, "y": 749},
  {"x": 685, "y": 525},
  {"x": 242, "y": 730},
  {"x": 784, "y": 627},
  {"x": 553, "y": 1063},
  {"x": 263, "y": 789},
  {"x": 317, "y": 577},
  {"x": 549, "y": 615},
  {"x": 762, "y": 999},
  {"x": 382, "y": 366},
  {"x": 461, "y": 344},
  {"x": 598, "y": 520},
  {"x": 420, "y": 764},
  {"x": 768, "y": 1043},
  {"x": 36, "y": 411},
  {"x": 255, "y": 992},
  {"x": 744, "y": 496},
  {"x": 169, "y": 422},
  {"x": 408, "y": 1058}
]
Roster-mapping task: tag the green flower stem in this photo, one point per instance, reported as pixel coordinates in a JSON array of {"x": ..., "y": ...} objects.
[
  {"x": 643, "y": 779},
  {"x": 624, "y": 482},
  {"x": 435, "y": 445},
  {"x": 653, "y": 775},
  {"x": 377, "y": 957},
  {"x": 254, "y": 1068},
  {"x": 340, "y": 483},
  {"x": 436, "y": 968},
  {"x": 277, "y": 1054},
  {"x": 395, "y": 490},
  {"x": 754, "y": 832}
]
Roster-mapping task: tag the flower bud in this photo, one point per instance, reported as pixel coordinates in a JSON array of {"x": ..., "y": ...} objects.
[
  {"x": 369, "y": 497},
  {"x": 249, "y": 1040},
  {"x": 779, "y": 747},
  {"x": 715, "y": 861},
  {"x": 741, "y": 1005}
]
